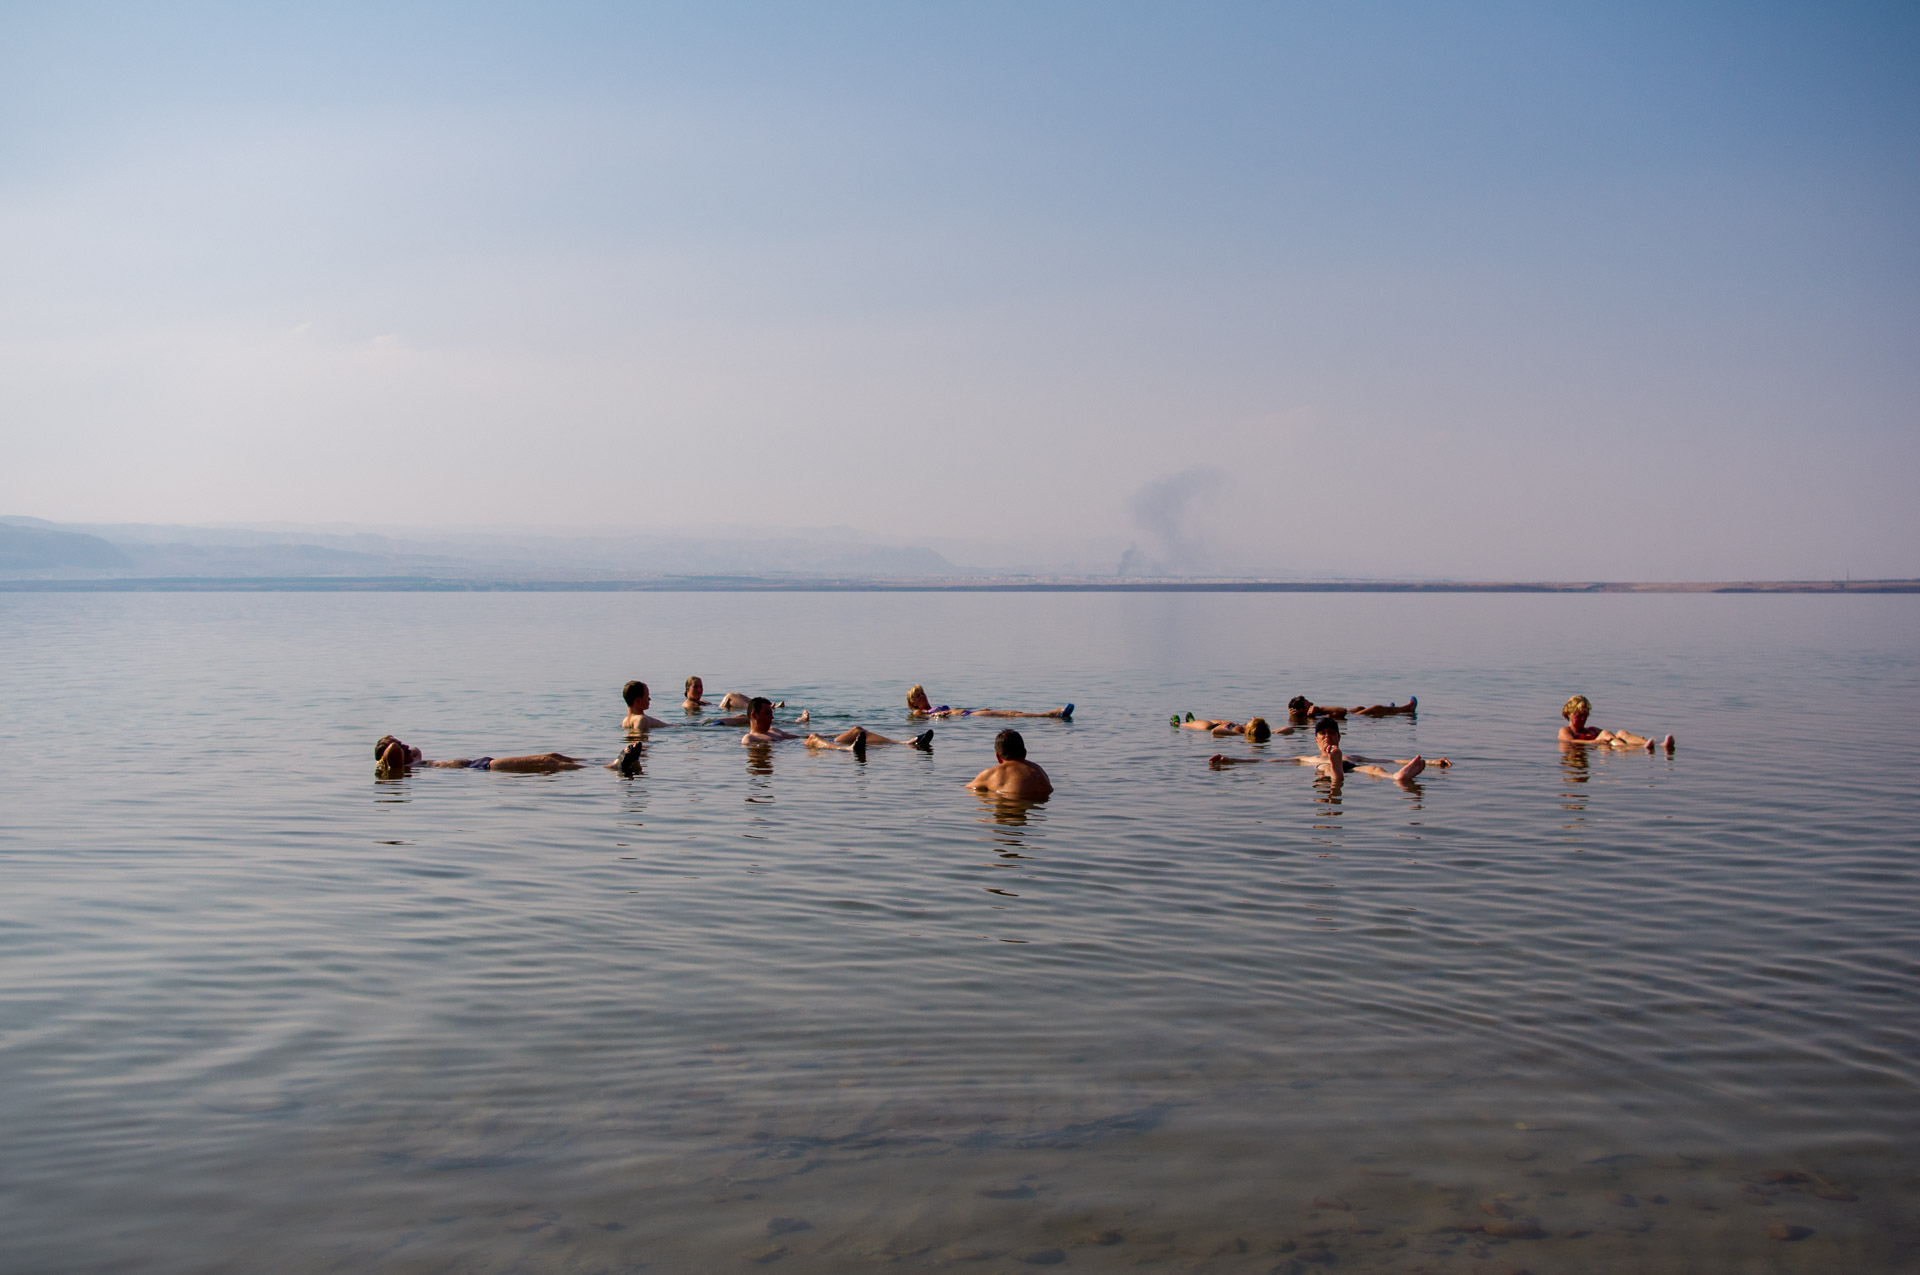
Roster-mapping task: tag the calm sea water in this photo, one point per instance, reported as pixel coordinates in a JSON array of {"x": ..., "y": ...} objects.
[{"x": 263, "y": 1012}]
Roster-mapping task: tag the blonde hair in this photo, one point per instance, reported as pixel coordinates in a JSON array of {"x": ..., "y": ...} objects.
[
  {"x": 1577, "y": 704},
  {"x": 916, "y": 689},
  {"x": 1258, "y": 731},
  {"x": 691, "y": 681}
]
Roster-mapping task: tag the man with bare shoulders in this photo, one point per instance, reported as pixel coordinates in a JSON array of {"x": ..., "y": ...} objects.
[
  {"x": 1013, "y": 775},
  {"x": 1335, "y": 763},
  {"x": 638, "y": 699}
]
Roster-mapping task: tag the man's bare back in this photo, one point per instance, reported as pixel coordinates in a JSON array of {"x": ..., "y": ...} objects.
[{"x": 1013, "y": 775}]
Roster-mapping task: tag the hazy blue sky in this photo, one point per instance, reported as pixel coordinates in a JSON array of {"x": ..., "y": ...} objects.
[{"x": 1608, "y": 290}]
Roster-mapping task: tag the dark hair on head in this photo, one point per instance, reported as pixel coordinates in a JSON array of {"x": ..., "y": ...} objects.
[
  {"x": 1327, "y": 726},
  {"x": 380, "y": 749},
  {"x": 757, "y": 703},
  {"x": 1299, "y": 705},
  {"x": 1010, "y": 745},
  {"x": 632, "y": 691}
]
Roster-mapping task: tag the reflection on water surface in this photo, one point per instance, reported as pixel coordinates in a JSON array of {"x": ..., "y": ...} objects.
[{"x": 775, "y": 1006}]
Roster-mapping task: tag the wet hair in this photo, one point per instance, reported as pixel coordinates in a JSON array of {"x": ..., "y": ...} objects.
[
  {"x": 1298, "y": 705},
  {"x": 632, "y": 691},
  {"x": 1010, "y": 745},
  {"x": 1576, "y": 704},
  {"x": 1327, "y": 726},
  {"x": 380, "y": 749},
  {"x": 1258, "y": 731},
  {"x": 691, "y": 681},
  {"x": 754, "y": 706},
  {"x": 915, "y": 689}
]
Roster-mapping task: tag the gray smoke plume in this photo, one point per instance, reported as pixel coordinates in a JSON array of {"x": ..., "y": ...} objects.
[{"x": 1166, "y": 512}]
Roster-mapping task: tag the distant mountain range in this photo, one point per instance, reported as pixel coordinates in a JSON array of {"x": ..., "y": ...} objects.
[{"x": 32, "y": 548}]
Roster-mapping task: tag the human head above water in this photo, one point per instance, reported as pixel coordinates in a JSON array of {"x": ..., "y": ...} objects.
[
  {"x": 917, "y": 697},
  {"x": 759, "y": 709},
  {"x": 380, "y": 749},
  {"x": 633, "y": 691},
  {"x": 1009, "y": 746},
  {"x": 695, "y": 686},
  {"x": 1327, "y": 727},
  {"x": 1576, "y": 705},
  {"x": 1298, "y": 706},
  {"x": 1258, "y": 731}
]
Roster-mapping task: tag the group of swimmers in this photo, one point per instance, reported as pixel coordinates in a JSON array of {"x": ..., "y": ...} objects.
[{"x": 1011, "y": 775}]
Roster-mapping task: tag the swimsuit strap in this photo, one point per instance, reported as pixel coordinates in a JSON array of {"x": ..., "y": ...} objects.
[{"x": 480, "y": 763}]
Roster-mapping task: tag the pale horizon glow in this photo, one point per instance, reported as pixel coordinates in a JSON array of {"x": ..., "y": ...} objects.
[{"x": 1588, "y": 292}]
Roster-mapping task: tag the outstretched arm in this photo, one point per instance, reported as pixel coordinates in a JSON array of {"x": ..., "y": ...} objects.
[{"x": 1221, "y": 759}]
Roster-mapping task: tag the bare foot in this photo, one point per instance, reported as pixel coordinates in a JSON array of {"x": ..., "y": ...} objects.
[
  {"x": 806, "y": 715},
  {"x": 1412, "y": 769},
  {"x": 1669, "y": 743}
]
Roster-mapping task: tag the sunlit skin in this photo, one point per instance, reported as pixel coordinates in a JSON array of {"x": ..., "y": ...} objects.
[
  {"x": 1576, "y": 731},
  {"x": 1220, "y": 728},
  {"x": 696, "y": 695},
  {"x": 1335, "y": 763},
  {"x": 918, "y": 705},
  {"x": 639, "y": 698},
  {"x": 1013, "y": 776},
  {"x": 1302, "y": 709},
  {"x": 395, "y": 757},
  {"x": 761, "y": 730}
]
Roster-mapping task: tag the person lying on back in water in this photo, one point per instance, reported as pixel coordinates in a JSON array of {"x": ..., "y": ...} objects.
[
  {"x": 1254, "y": 728},
  {"x": 918, "y": 705},
  {"x": 1013, "y": 775},
  {"x": 1576, "y": 731},
  {"x": 1301, "y": 709},
  {"x": 1334, "y": 762},
  {"x": 391, "y": 756},
  {"x": 736, "y": 704},
  {"x": 761, "y": 730}
]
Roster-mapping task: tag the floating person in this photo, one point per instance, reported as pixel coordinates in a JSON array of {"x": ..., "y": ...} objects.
[
  {"x": 638, "y": 699},
  {"x": 1254, "y": 728},
  {"x": 918, "y": 705},
  {"x": 1013, "y": 775},
  {"x": 761, "y": 730},
  {"x": 393, "y": 756},
  {"x": 1577, "y": 709},
  {"x": 696, "y": 700},
  {"x": 1336, "y": 763},
  {"x": 1301, "y": 709}
]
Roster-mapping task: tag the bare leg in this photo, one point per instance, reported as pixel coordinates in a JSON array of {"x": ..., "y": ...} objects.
[
  {"x": 1412, "y": 769},
  {"x": 538, "y": 763},
  {"x": 846, "y": 737},
  {"x": 1062, "y": 713}
]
